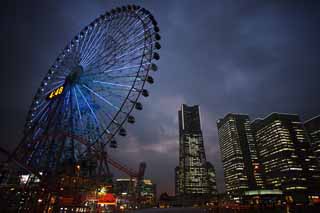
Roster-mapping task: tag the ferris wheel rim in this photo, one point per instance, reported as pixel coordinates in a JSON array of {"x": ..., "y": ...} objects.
[{"x": 113, "y": 15}]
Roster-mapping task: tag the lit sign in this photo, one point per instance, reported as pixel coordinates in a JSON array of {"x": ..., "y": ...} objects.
[
  {"x": 108, "y": 199},
  {"x": 55, "y": 93},
  {"x": 24, "y": 179}
]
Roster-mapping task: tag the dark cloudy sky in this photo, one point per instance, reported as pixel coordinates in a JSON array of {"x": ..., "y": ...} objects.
[{"x": 251, "y": 57}]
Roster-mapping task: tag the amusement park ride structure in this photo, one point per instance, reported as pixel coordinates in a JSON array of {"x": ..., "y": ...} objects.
[{"x": 83, "y": 102}]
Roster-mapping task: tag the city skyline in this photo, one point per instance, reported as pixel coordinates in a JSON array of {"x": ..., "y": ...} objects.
[{"x": 247, "y": 57}]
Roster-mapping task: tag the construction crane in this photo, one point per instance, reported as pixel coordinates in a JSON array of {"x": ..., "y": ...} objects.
[{"x": 100, "y": 155}]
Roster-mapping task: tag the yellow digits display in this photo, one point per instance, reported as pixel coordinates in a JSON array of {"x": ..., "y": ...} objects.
[{"x": 55, "y": 93}]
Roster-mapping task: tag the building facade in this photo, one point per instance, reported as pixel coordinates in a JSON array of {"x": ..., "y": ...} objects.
[
  {"x": 284, "y": 151},
  {"x": 242, "y": 170},
  {"x": 313, "y": 128},
  {"x": 191, "y": 176}
]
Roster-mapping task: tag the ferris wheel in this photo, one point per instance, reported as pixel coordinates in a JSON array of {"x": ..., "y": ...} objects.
[{"x": 91, "y": 89}]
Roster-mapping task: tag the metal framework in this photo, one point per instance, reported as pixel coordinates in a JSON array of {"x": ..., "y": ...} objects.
[
  {"x": 91, "y": 89},
  {"x": 85, "y": 100}
]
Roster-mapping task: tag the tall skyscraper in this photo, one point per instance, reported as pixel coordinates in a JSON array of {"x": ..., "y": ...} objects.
[
  {"x": 313, "y": 128},
  {"x": 242, "y": 170},
  {"x": 284, "y": 151},
  {"x": 192, "y": 173}
]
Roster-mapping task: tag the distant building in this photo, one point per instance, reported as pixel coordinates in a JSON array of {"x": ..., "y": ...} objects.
[
  {"x": 148, "y": 193},
  {"x": 285, "y": 154},
  {"x": 242, "y": 170},
  {"x": 313, "y": 128},
  {"x": 191, "y": 176},
  {"x": 126, "y": 189}
]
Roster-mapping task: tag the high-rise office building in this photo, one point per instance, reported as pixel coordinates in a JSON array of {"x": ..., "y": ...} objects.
[
  {"x": 285, "y": 154},
  {"x": 313, "y": 128},
  {"x": 242, "y": 170},
  {"x": 191, "y": 175}
]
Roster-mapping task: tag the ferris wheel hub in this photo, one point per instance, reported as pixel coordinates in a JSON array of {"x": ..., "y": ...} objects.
[{"x": 74, "y": 75}]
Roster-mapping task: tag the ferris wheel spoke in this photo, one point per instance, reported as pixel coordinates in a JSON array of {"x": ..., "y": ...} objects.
[
  {"x": 68, "y": 62},
  {"x": 97, "y": 53},
  {"x": 131, "y": 61},
  {"x": 138, "y": 32},
  {"x": 99, "y": 57},
  {"x": 100, "y": 36},
  {"x": 43, "y": 116},
  {"x": 58, "y": 82},
  {"x": 113, "y": 84},
  {"x": 40, "y": 111},
  {"x": 59, "y": 77},
  {"x": 117, "y": 83},
  {"x": 88, "y": 39},
  {"x": 100, "y": 63},
  {"x": 122, "y": 67},
  {"x": 133, "y": 25},
  {"x": 132, "y": 41},
  {"x": 80, "y": 46},
  {"x": 131, "y": 52},
  {"x": 94, "y": 46},
  {"x": 39, "y": 104},
  {"x": 118, "y": 97},
  {"x": 106, "y": 87},
  {"x": 88, "y": 105},
  {"x": 117, "y": 25},
  {"x": 93, "y": 40},
  {"x": 126, "y": 47},
  {"x": 121, "y": 24},
  {"x": 82, "y": 41},
  {"x": 66, "y": 101},
  {"x": 100, "y": 97},
  {"x": 122, "y": 29},
  {"x": 58, "y": 69},
  {"x": 78, "y": 107},
  {"x": 121, "y": 94},
  {"x": 125, "y": 77}
]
